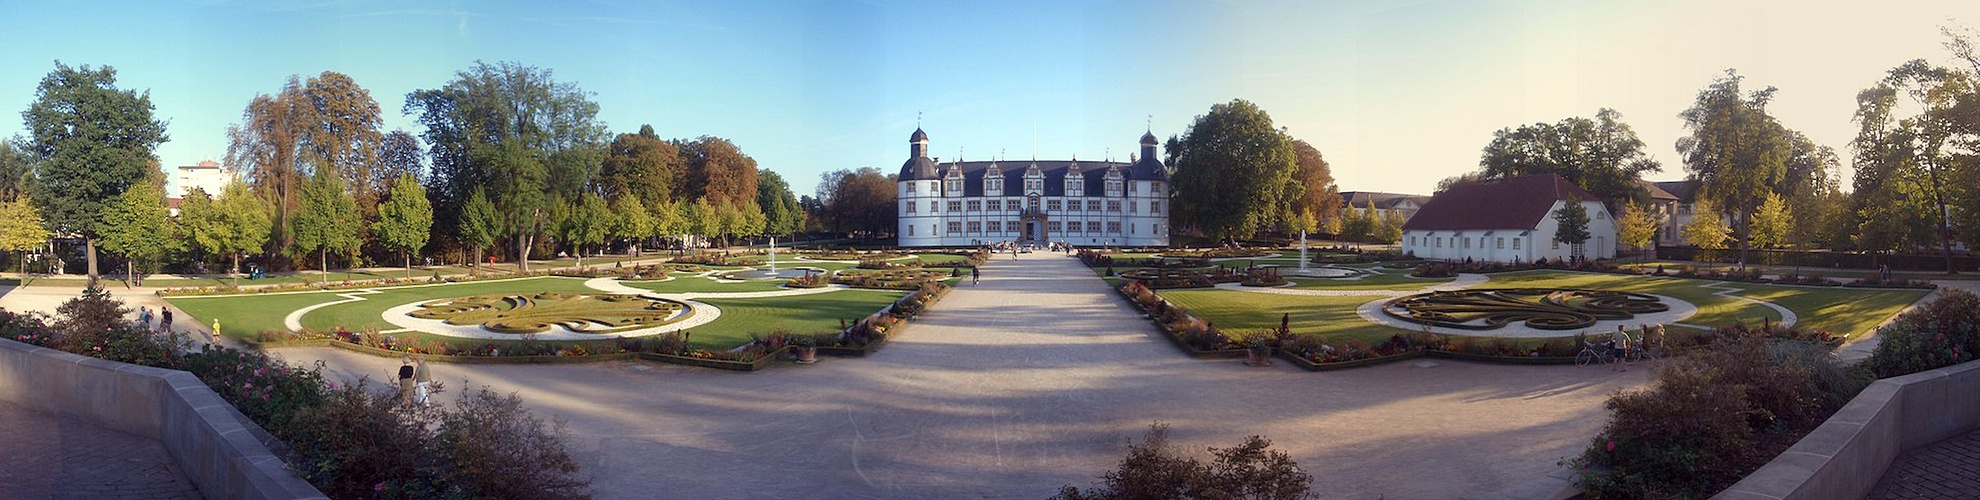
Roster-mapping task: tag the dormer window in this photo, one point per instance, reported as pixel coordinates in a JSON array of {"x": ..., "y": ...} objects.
[{"x": 993, "y": 184}]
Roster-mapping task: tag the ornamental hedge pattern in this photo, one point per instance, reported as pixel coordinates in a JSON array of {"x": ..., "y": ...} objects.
[
  {"x": 1542, "y": 308},
  {"x": 533, "y": 313}
]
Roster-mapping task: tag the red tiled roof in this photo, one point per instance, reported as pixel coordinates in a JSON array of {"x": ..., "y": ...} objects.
[{"x": 1516, "y": 203}]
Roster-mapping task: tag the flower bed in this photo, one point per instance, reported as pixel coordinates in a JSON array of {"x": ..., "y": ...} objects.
[
  {"x": 971, "y": 259},
  {"x": 1218, "y": 253},
  {"x": 1182, "y": 278},
  {"x": 810, "y": 280},
  {"x": 1263, "y": 276},
  {"x": 892, "y": 279},
  {"x": 719, "y": 259},
  {"x": 1194, "y": 336}
]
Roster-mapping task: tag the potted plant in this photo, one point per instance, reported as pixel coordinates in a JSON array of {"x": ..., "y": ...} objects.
[
  {"x": 807, "y": 349},
  {"x": 1258, "y": 349}
]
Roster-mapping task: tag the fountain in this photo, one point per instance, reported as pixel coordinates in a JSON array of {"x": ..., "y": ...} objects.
[
  {"x": 1323, "y": 272},
  {"x": 772, "y": 272}
]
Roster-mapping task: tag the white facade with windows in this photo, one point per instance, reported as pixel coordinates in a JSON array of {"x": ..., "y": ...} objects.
[
  {"x": 1511, "y": 221},
  {"x": 960, "y": 203}
]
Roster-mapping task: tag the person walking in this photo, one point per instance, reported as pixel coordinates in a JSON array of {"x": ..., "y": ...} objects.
[
  {"x": 166, "y": 322},
  {"x": 405, "y": 380},
  {"x": 423, "y": 381},
  {"x": 144, "y": 317},
  {"x": 975, "y": 274}
]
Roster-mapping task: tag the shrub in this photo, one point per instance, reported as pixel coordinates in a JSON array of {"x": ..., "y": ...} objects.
[
  {"x": 1707, "y": 420},
  {"x": 1153, "y": 468},
  {"x": 1434, "y": 270},
  {"x": 1942, "y": 333},
  {"x": 497, "y": 449}
]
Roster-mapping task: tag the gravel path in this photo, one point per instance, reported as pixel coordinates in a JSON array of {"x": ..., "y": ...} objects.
[{"x": 1029, "y": 381}]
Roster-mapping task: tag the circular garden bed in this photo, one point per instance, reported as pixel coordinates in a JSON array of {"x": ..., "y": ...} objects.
[
  {"x": 539, "y": 312},
  {"x": 1539, "y": 308}
]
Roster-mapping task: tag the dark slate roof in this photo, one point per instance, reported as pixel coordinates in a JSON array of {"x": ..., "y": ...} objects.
[
  {"x": 919, "y": 168},
  {"x": 918, "y": 136},
  {"x": 1095, "y": 173},
  {"x": 1685, "y": 191},
  {"x": 1148, "y": 169},
  {"x": 1148, "y": 139},
  {"x": 1656, "y": 193},
  {"x": 1383, "y": 201},
  {"x": 1516, "y": 203}
]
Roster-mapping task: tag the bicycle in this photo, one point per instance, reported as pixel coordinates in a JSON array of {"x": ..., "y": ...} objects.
[{"x": 1592, "y": 353}]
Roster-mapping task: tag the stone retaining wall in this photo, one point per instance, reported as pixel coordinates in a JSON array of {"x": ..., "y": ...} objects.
[
  {"x": 1846, "y": 456},
  {"x": 213, "y": 443}
]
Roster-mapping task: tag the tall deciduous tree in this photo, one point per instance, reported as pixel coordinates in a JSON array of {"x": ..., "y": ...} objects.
[
  {"x": 861, "y": 201},
  {"x": 135, "y": 225},
  {"x": 1602, "y": 155},
  {"x": 479, "y": 224},
  {"x": 1319, "y": 203},
  {"x": 1770, "y": 222},
  {"x": 1636, "y": 227},
  {"x": 589, "y": 223},
  {"x": 1736, "y": 150},
  {"x": 1235, "y": 172},
  {"x": 641, "y": 166},
  {"x": 781, "y": 212},
  {"x": 517, "y": 132},
  {"x": 327, "y": 221},
  {"x": 1573, "y": 226},
  {"x": 20, "y": 228},
  {"x": 718, "y": 170},
  {"x": 630, "y": 221},
  {"x": 406, "y": 219},
  {"x": 246, "y": 225},
  {"x": 201, "y": 225},
  {"x": 1707, "y": 228},
  {"x": 16, "y": 175},
  {"x": 89, "y": 142},
  {"x": 1909, "y": 146},
  {"x": 326, "y": 123}
]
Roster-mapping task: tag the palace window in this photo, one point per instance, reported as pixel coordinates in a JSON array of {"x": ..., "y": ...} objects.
[
  {"x": 975, "y": 206},
  {"x": 1113, "y": 227},
  {"x": 1467, "y": 242},
  {"x": 1132, "y": 207},
  {"x": 1054, "y": 205},
  {"x": 955, "y": 206},
  {"x": 975, "y": 227},
  {"x": 1056, "y": 227},
  {"x": 1557, "y": 244},
  {"x": 910, "y": 207},
  {"x": 1093, "y": 226},
  {"x": 994, "y": 205},
  {"x": 1113, "y": 205},
  {"x": 910, "y": 228},
  {"x": 910, "y": 186},
  {"x": 1034, "y": 184},
  {"x": 1155, "y": 207},
  {"x": 1501, "y": 243},
  {"x": 955, "y": 228},
  {"x": 1515, "y": 243},
  {"x": 1093, "y": 205},
  {"x": 995, "y": 226},
  {"x": 1601, "y": 215},
  {"x": 1131, "y": 191},
  {"x": 1013, "y": 225}
]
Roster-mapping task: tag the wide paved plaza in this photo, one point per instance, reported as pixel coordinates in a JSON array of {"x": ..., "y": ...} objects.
[{"x": 1028, "y": 381}]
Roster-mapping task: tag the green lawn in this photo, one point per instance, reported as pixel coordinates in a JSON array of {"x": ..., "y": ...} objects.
[
  {"x": 244, "y": 315},
  {"x": 1839, "y": 310},
  {"x": 1239, "y": 313},
  {"x": 799, "y": 314}
]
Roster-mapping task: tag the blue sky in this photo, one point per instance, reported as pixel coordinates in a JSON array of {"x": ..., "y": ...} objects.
[{"x": 1397, "y": 95}]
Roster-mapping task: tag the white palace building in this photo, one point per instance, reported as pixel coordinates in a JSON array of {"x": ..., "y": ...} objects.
[{"x": 961, "y": 203}]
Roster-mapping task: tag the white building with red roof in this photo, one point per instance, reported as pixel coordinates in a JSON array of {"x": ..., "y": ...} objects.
[{"x": 1508, "y": 220}]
